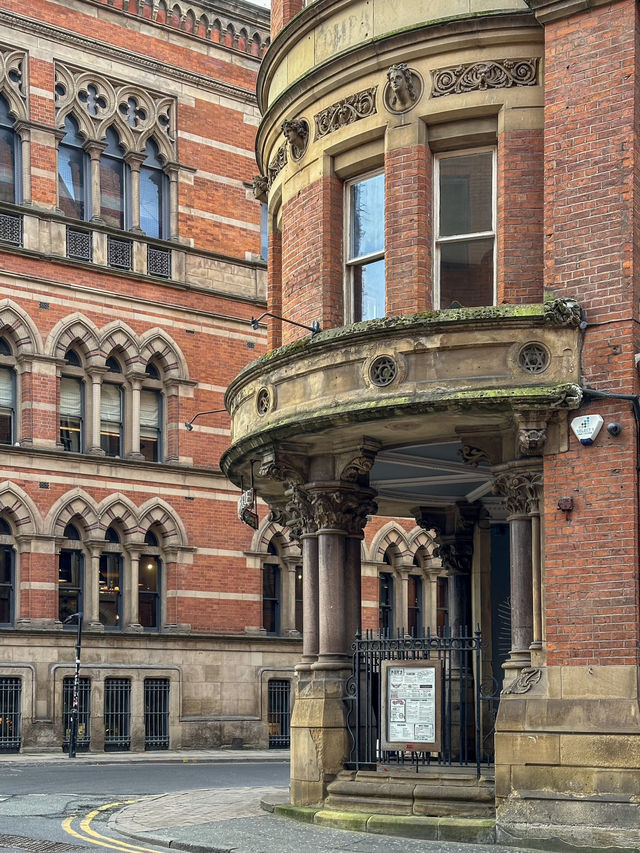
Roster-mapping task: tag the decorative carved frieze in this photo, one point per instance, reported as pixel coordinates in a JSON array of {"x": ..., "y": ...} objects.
[
  {"x": 521, "y": 490},
  {"x": 277, "y": 164},
  {"x": 403, "y": 89},
  {"x": 13, "y": 83},
  {"x": 347, "y": 111},
  {"x": 98, "y": 102},
  {"x": 477, "y": 76},
  {"x": 473, "y": 456},
  {"x": 525, "y": 681},
  {"x": 566, "y": 313},
  {"x": 296, "y": 132}
]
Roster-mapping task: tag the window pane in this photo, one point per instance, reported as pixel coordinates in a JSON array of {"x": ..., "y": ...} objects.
[
  {"x": 70, "y": 434},
  {"x": 71, "y": 181},
  {"x": 466, "y": 194},
  {"x": 367, "y": 217},
  {"x": 151, "y": 201},
  {"x": 6, "y": 565},
  {"x": 110, "y": 439},
  {"x": 149, "y": 587},
  {"x": 109, "y": 590},
  {"x": 5, "y": 605},
  {"x": 71, "y": 396},
  {"x": 7, "y": 165},
  {"x": 368, "y": 291},
  {"x": 149, "y": 447},
  {"x": 6, "y": 432},
  {"x": 6, "y": 387},
  {"x": 112, "y": 191},
  {"x": 466, "y": 273}
]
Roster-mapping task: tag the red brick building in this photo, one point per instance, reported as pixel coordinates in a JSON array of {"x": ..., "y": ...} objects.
[{"x": 452, "y": 198}]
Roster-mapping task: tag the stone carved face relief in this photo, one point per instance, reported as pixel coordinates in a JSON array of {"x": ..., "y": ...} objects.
[
  {"x": 296, "y": 132},
  {"x": 401, "y": 92}
]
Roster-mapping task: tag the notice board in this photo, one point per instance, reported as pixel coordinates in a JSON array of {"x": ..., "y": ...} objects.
[{"x": 411, "y": 705}]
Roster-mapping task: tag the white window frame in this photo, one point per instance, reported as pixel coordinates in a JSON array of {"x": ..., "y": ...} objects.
[
  {"x": 456, "y": 238},
  {"x": 361, "y": 260}
]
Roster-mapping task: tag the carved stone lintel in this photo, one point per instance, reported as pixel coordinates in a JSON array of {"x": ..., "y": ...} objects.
[
  {"x": 296, "y": 132},
  {"x": 565, "y": 313},
  {"x": 347, "y": 111},
  {"x": 521, "y": 490},
  {"x": 403, "y": 89},
  {"x": 478, "y": 76},
  {"x": 525, "y": 681}
]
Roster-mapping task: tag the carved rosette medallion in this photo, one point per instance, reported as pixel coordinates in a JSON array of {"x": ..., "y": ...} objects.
[
  {"x": 521, "y": 490},
  {"x": 347, "y": 111},
  {"x": 525, "y": 681},
  {"x": 478, "y": 76}
]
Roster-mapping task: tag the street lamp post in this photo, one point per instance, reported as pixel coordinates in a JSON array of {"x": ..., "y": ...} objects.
[{"x": 75, "y": 710}]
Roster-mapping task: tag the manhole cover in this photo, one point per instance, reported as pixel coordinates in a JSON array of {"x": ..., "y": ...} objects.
[{"x": 36, "y": 844}]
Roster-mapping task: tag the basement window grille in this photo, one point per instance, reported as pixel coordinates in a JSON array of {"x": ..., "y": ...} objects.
[
  {"x": 10, "y": 710},
  {"x": 279, "y": 713},
  {"x": 156, "y": 713},
  {"x": 84, "y": 713},
  {"x": 79, "y": 244},
  {"x": 119, "y": 253},
  {"x": 159, "y": 262},
  {"x": 11, "y": 229},
  {"x": 117, "y": 714}
]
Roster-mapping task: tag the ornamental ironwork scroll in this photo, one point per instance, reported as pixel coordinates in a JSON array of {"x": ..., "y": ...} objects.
[
  {"x": 347, "y": 111},
  {"x": 478, "y": 76}
]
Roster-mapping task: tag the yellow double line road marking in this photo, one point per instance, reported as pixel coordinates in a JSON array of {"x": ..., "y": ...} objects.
[{"x": 87, "y": 832}]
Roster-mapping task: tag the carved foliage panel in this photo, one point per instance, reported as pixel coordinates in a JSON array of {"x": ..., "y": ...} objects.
[{"x": 98, "y": 103}]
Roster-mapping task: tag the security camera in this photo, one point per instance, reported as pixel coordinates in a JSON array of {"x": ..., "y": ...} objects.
[{"x": 614, "y": 429}]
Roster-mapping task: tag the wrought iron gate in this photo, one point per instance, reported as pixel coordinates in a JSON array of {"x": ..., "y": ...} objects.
[
  {"x": 84, "y": 713},
  {"x": 156, "y": 713},
  {"x": 467, "y": 719},
  {"x": 10, "y": 710},
  {"x": 117, "y": 714},
  {"x": 279, "y": 713}
]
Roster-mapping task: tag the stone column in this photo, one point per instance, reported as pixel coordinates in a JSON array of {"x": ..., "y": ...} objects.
[
  {"x": 134, "y": 161},
  {"x": 520, "y": 485},
  {"x": 23, "y": 129},
  {"x": 94, "y": 150},
  {"x": 353, "y": 587},
  {"x": 172, "y": 171},
  {"x": 134, "y": 420},
  {"x": 309, "y": 543},
  {"x": 93, "y": 438},
  {"x": 130, "y": 591},
  {"x": 91, "y": 594}
]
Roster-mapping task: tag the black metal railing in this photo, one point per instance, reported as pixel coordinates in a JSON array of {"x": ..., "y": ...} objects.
[
  {"x": 84, "y": 713},
  {"x": 117, "y": 714},
  {"x": 10, "y": 709},
  {"x": 158, "y": 261},
  {"x": 119, "y": 253},
  {"x": 279, "y": 713},
  {"x": 156, "y": 713},
  {"x": 466, "y": 721},
  {"x": 11, "y": 228},
  {"x": 79, "y": 244}
]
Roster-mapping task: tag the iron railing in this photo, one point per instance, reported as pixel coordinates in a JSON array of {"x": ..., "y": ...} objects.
[
  {"x": 79, "y": 244},
  {"x": 119, "y": 253},
  {"x": 11, "y": 228},
  {"x": 84, "y": 713},
  {"x": 10, "y": 709},
  {"x": 117, "y": 714},
  {"x": 158, "y": 261},
  {"x": 466, "y": 718},
  {"x": 156, "y": 713},
  {"x": 279, "y": 713}
]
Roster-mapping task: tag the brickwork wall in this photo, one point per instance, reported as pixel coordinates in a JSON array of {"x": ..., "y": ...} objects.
[
  {"x": 408, "y": 230},
  {"x": 282, "y": 11},
  {"x": 312, "y": 257},
  {"x": 520, "y": 217},
  {"x": 591, "y": 197}
]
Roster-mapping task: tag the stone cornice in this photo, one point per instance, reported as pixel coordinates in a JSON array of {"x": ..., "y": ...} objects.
[
  {"x": 110, "y": 52},
  {"x": 547, "y": 11}
]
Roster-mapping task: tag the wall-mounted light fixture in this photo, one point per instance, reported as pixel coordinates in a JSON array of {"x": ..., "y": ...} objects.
[
  {"x": 189, "y": 425},
  {"x": 314, "y": 328}
]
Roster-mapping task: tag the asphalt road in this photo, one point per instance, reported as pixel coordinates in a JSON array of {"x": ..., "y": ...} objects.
[{"x": 37, "y": 799}]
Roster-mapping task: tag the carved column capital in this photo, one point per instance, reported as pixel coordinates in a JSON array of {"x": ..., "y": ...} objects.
[
  {"x": 521, "y": 489},
  {"x": 456, "y": 555},
  {"x": 338, "y": 507}
]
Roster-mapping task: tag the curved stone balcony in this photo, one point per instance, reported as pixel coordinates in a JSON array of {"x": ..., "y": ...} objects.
[{"x": 407, "y": 381}]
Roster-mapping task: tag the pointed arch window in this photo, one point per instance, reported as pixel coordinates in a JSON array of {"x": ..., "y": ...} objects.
[
  {"x": 7, "y": 393},
  {"x": 271, "y": 583},
  {"x": 9, "y": 156},
  {"x": 72, "y": 404},
  {"x": 111, "y": 411},
  {"x": 110, "y": 581},
  {"x": 113, "y": 179},
  {"x": 151, "y": 414},
  {"x": 73, "y": 173},
  {"x": 70, "y": 574},
  {"x": 154, "y": 194},
  {"x": 149, "y": 579},
  {"x": 7, "y": 574}
]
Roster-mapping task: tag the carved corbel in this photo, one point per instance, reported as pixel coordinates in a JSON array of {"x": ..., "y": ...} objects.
[
  {"x": 357, "y": 462},
  {"x": 282, "y": 467},
  {"x": 455, "y": 555},
  {"x": 260, "y": 188},
  {"x": 532, "y": 431},
  {"x": 565, "y": 313}
]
